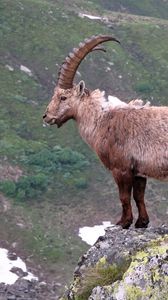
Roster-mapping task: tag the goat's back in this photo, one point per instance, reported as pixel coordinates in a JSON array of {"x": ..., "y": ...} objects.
[{"x": 137, "y": 138}]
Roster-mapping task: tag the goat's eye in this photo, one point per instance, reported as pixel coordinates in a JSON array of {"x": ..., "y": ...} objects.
[{"x": 63, "y": 98}]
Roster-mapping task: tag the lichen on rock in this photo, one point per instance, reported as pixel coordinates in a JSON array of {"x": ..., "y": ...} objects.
[{"x": 123, "y": 265}]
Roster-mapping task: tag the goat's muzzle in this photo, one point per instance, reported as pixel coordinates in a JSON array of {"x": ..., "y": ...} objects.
[{"x": 49, "y": 119}]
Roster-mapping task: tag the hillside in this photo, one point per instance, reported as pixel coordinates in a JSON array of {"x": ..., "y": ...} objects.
[
  {"x": 47, "y": 182},
  {"x": 152, "y": 8}
]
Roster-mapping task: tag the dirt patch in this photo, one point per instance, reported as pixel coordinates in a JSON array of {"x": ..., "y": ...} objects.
[
  {"x": 9, "y": 172},
  {"x": 5, "y": 205}
]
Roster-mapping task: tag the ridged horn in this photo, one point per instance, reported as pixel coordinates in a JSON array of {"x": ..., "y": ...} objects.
[{"x": 72, "y": 61}]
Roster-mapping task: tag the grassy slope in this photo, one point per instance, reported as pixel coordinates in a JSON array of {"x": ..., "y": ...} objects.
[
  {"x": 153, "y": 8},
  {"x": 38, "y": 34}
]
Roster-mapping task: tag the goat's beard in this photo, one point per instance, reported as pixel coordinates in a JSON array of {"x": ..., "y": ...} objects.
[
  {"x": 62, "y": 121},
  {"x": 59, "y": 125},
  {"x": 55, "y": 121}
]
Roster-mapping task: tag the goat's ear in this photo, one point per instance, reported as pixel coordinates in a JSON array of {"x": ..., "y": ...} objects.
[{"x": 80, "y": 88}]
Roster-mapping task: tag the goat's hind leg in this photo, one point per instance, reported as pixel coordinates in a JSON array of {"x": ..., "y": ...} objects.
[
  {"x": 139, "y": 185},
  {"x": 124, "y": 182}
]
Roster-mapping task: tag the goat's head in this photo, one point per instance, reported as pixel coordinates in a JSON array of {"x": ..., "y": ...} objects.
[{"x": 67, "y": 95}]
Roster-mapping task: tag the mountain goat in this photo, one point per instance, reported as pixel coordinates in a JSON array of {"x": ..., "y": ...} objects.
[{"x": 130, "y": 139}]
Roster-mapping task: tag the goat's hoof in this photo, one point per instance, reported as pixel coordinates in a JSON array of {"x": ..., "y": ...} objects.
[
  {"x": 142, "y": 223},
  {"x": 124, "y": 225}
]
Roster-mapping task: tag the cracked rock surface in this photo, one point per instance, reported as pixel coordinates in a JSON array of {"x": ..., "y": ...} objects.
[{"x": 124, "y": 265}]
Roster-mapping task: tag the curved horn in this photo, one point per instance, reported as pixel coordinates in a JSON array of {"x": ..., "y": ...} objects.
[
  {"x": 73, "y": 60},
  {"x": 99, "y": 48}
]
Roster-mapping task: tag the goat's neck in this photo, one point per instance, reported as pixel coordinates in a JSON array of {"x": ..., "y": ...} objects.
[{"x": 89, "y": 115}]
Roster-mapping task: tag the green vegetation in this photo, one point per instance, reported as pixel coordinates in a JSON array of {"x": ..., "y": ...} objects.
[
  {"x": 151, "y": 8},
  {"x": 46, "y": 164},
  {"x": 102, "y": 274},
  {"x": 26, "y": 187}
]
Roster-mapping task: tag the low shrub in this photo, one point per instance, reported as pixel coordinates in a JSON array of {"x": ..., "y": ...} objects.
[{"x": 26, "y": 187}]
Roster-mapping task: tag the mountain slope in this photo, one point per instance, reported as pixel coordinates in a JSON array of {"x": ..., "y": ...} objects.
[
  {"x": 57, "y": 190},
  {"x": 152, "y": 8}
]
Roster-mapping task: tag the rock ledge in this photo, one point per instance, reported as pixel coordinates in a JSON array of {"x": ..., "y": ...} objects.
[{"x": 123, "y": 265}]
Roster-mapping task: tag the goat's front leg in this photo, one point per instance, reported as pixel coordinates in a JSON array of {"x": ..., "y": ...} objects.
[
  {"x": 124, "y": 182},
  {"x": 139, "y": 185}
]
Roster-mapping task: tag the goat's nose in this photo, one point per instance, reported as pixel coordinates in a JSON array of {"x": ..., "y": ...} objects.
[{"x": 44, "y": 116}]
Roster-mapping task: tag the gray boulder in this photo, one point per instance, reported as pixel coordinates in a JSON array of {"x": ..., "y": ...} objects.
[{"x": 123, "y": 265}]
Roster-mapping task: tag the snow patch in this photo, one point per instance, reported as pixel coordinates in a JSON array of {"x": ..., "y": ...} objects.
[
  {"x": 26, "y": 70},
  {"x": 91, "y": 17},
  {"x": 90, "y": 234},
  {"x": 8, "y": 277},
  {"x": 108, "y": 69},
  {"x": 9, "y": 68}
]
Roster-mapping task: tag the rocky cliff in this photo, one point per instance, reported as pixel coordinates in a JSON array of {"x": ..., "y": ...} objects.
[{"x": 123, "y": 265}]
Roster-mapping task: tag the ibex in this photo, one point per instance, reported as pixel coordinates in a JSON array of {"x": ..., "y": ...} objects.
[{"x": 131, "y": 140}]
